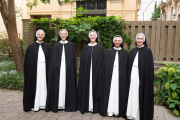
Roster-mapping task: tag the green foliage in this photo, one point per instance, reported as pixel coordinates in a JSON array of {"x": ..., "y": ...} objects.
[
  {"x": 78, "y": 29},
  {"x": 109, "y": 27},
  {"x": 170, "y": 79},
  {"x": 80, "y": 11},
  {"x": 30, "y": 5},
  {"x": 5, "y": 58},
  {"x": 18, "y": 12},
  {"x": 156, "y": 14},
  {"x": 5, "y": 43},
  {"x": 12, "y": 81},
  {"x": 7, "y": 65},
  {"x": 21, "y": 44}
]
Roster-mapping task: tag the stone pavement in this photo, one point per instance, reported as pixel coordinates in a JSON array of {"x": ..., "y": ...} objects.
[{"x": 11, "y": 108}]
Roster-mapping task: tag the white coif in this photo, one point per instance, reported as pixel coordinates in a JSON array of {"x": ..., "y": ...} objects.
[
  {"x": 41, "y": 88},
  {"x": 62, "y": 81},
  {"x": 133, "y": 99},
  {"x": 113, "y": 105}
]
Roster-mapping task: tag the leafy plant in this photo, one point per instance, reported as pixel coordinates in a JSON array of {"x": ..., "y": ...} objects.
[
  {"x": 5, "y": 44},
  {"x": 80, "y": 10},
  {"x": 5, "y": 58},
  {"x": 78, "y": 29},
  {"x": 12, "y": 81},
  {"x": 156, "y": 14},
  {"x": 170, "y": 77},
  {"x": 7, "y": 65},
  {"x": 109, "y": 27}
]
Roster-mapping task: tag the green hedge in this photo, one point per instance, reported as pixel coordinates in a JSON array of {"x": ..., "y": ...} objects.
[{"x": 78, "y": 29}]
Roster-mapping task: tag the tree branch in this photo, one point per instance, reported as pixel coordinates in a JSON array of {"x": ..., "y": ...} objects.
[{"x": 3, "y": 9}]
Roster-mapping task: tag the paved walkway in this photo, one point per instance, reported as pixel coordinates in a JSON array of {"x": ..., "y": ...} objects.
[{"x": 11, "y": 108}]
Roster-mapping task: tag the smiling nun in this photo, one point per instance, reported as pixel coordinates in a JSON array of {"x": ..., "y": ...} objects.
[
  {"x": 90, "y": 75},
  {"x": 36, "y": 67},
  {"x": 115, "y": 78},
  {"x": 140, "y": 78},
  {"x": 63, "y": 76}
]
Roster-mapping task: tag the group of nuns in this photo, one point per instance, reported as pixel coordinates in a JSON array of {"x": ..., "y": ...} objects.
[{"x": 112, "y": 83}]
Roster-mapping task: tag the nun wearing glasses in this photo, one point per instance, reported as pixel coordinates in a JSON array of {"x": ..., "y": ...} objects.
[
  {"x": 114, "y": 101},
  {"x": 90, "y": 75},
  {"x": 62, "y": 76},
  {"x": 140, "y": 79},
  {"x": 36, "y": 67}
]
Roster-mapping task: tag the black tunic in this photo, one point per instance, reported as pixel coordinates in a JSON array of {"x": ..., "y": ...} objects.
[
  {"x": 54, "y": 78},
  {"x": 146, "y": 77},
  {"x": 84, "y": 77},
  {"x": 108, "y": 70},
  {"x": 30, "y": 72}
]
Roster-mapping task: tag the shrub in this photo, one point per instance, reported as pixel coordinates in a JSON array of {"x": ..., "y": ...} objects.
[
  {"x": 7, "y": 65},
  {"x": 12, "y": 81},
  {"x": 5, "y": 44},
  {"x": 170, "y": 78},
  {"x": 5, "y": 58},
  {"x": 78, "y": 29}
]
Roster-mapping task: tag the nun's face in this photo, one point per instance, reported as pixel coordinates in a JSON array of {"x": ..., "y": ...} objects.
[
  {"x": 40, "y": 35},
  {"x": 140, "y": 40},
  {"x": 63, "y": 34},
  {"x": 93, "y": 37},
  {"x": 117, "y": 42}
]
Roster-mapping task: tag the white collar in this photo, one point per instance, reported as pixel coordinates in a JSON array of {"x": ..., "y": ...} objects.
[
  {"x": 117, "y": 48},
  {"x": 92, "y": 44},
  {"x": 39, "y": 42},
  {"x": 141, "y": 46},
  {"x": 63, "y": 42}
]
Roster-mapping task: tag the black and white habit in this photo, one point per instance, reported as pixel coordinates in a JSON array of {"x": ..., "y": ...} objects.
[
  {"x": 114, "y": 100},
  {"x": 62, "y": 83},
  {"x": 90, "y": 77},
  {"x": 36, "y": 68},
  {"x": 140, "y": 79}
]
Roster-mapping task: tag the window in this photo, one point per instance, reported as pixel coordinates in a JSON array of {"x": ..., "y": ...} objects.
[
  {"x": 96, "y": 7},
  {"x": 92, "y": 5},
  {"x": 101, "y": 5},
  {"x": 143, "y": 5},
  {"x": 93, "y": 15}
]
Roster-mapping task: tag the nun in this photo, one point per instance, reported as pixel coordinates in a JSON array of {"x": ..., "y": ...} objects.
[
  {"x": 62, "y": 76},
  {"x": 140, "y": 79},
  {"x": 115, "y": 78},
  {"x": 90, "y": 75},
  {"x": 36, "y": 68}
]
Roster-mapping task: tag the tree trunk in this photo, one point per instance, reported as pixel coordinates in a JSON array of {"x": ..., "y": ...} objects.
[{"x": 9, "y": 18}]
